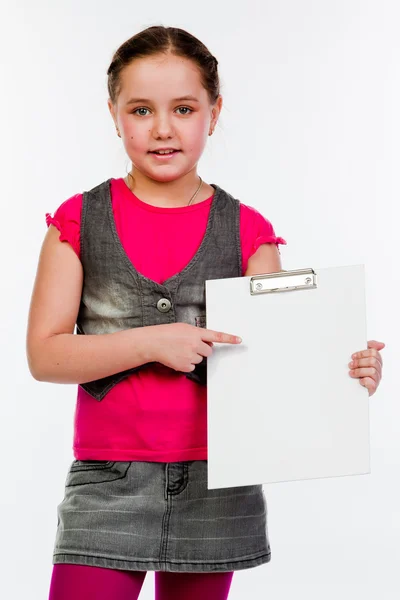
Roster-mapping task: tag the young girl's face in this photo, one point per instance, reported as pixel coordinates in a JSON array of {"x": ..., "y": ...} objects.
[{"x": 163, "y": 104}]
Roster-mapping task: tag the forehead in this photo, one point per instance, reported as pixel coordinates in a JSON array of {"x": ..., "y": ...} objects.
[{"x": 161, "y": 78}]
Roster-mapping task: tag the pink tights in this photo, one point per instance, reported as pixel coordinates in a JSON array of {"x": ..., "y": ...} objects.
[{"x": 81, "y": 582}]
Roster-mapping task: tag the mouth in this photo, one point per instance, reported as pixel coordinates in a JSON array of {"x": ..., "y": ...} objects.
[{"x": 164, "y": 154}]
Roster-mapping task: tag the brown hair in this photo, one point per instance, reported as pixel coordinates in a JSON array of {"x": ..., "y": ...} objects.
[{"x": 163, "y": 40}]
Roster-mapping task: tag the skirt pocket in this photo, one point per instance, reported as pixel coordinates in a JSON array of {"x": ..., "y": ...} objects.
[{"x": 85, "y": 472}]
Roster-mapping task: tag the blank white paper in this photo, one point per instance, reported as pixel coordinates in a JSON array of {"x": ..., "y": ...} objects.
[{"x": 282, "y": 405}]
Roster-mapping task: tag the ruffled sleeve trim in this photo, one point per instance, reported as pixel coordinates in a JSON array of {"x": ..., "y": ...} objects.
[
  {"x": 268, "y": 239},
  {"x": 52, "y": 221},
  {"x": 67, "y": 219}
]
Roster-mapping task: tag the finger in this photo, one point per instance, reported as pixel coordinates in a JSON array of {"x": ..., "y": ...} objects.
[
  {"x": 373, "y": 344},
  {"x": 205, "y": 350},
  {"x": 370, "y": 384},
  {"x": 365, "y": 372},
  {"x": 371, "y": 361},
  {"x": 376, "y": 345},
  {"x": 373, "y": 347},
  {"x": 209, "y": 335},
  {"x": 196, "y": 359},
  {"x": 368, "y": 353}
]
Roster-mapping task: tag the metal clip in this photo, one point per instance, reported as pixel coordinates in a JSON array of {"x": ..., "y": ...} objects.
[{"x": 283, "y": 281}]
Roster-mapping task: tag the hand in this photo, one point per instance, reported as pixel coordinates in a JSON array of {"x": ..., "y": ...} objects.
[
  {"x": 367, "y": 365},
  {"x": 181, "y": 346}
]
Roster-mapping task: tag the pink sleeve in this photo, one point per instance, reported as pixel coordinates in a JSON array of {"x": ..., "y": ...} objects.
[
  {"x": 254, "y": 231},
  {"x": 67, "y": 219}
]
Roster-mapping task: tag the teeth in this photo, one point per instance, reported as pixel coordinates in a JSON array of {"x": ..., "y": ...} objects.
[{"x": 164, "y": 151}]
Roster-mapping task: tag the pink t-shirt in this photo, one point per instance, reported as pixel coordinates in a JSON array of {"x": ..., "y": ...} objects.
[{"x": 155, "y": 414}]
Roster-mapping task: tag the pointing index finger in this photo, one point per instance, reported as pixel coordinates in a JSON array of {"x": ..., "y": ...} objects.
[{"x": 220, "y": 337}]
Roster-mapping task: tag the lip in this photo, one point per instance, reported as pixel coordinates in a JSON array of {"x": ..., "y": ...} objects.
[
  {"x": 164, "y": 148},
  {"x": 163, "y": 157}
]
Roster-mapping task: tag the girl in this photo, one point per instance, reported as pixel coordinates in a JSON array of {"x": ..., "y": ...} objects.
[{"x": 131, "y": 278}]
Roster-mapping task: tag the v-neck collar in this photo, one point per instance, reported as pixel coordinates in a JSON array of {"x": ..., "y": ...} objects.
[
  {"x": 174, "y": 279},
  {"x": 171, "y": 210}
]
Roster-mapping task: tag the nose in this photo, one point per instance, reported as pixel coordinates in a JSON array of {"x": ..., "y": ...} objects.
[{"x": 162, "y": 127}]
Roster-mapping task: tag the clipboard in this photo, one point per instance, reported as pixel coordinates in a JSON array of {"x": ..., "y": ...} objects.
[{"x": 281, "y": 406}]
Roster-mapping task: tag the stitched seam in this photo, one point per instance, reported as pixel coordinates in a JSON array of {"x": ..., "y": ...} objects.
[
  {"x": 176, "y": 562},
  {"x": 103, "y": 481}
]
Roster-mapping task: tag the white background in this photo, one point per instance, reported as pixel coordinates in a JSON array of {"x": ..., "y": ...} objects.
[{"x": 309, "y": 135}]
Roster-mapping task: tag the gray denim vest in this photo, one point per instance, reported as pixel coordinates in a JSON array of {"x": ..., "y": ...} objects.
[{"x": 115, "y": 296}]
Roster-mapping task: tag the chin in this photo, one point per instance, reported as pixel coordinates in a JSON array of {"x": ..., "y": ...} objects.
[{"x": 165, "y": 175}]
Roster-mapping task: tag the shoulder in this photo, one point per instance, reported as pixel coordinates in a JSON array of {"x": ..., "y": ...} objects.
[
  {"x": 255, "y": 230},
  {"x": 67, "y": 219},
  {"x": 69, "y": 209},
  {"x": 250, "y": 214},
  {"x": 253, "y": 223}
]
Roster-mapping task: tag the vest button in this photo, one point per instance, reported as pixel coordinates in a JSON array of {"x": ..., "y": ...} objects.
[{"x": 164, "y": 305}]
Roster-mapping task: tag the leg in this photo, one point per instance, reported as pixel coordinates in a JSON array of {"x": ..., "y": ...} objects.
[
  {"x": 81, "y": 582},
  {"x": 196, "y": 586}
]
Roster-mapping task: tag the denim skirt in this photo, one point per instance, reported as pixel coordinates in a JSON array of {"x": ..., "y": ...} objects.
[{"x": 156, "y": 516}]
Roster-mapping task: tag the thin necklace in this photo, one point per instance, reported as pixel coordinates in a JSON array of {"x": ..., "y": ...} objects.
[{"x": 191, "y": 199}]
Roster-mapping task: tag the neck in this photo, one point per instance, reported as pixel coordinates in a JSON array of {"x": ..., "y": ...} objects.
[{"x": 164, "y": 193}]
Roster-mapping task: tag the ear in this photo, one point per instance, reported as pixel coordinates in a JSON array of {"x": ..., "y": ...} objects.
[
  {"x": 112, "y": 111},
  {"x": 216, "y": 109}
]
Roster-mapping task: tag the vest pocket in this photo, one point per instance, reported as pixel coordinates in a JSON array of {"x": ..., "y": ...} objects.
[{"x": 84, "y": 472}]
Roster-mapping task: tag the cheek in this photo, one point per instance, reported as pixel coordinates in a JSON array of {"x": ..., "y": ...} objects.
[
  {"x": 136, "y": 137},
  {"x": 196, "y": 138}
]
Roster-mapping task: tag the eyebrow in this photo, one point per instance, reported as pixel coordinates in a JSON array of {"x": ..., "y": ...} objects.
[{"x": 147, "y": 101}]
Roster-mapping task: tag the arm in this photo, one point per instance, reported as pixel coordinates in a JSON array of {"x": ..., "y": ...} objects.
[
  {"x": 55, "y": 354},
  {"x": 265, "y": 260}
]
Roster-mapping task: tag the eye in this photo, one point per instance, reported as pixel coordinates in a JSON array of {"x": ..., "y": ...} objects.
[
  {"x": 140, "y": 108},
  {"x": 184, "y": 108}
]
